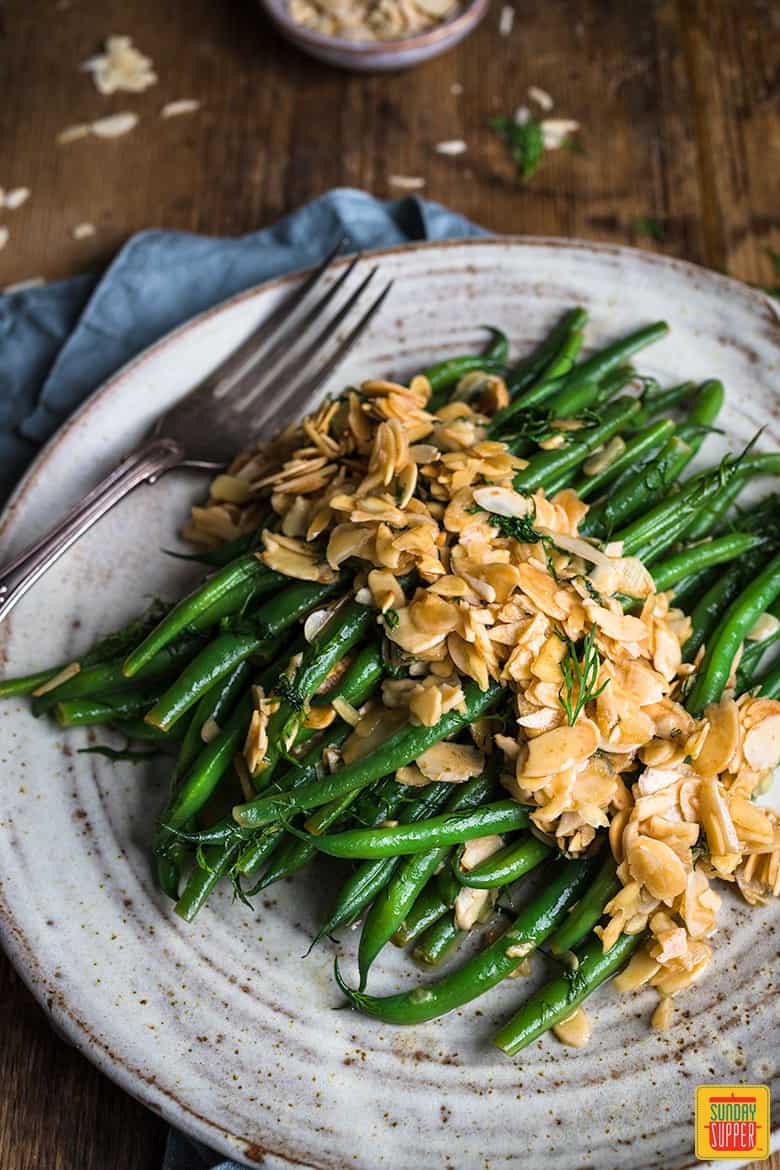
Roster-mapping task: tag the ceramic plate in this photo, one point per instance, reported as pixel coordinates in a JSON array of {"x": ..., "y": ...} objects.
[{"x": 222, "y": 1027}]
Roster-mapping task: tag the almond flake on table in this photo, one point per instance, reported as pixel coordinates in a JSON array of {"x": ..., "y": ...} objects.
[
  {"x": 121, "y": 67},
  {"x": 556, "y": 131},
  {"x": 453, "y": 147},
  {"x": 541, "y": 97},
  {"x": 406, "y": 182},
  {"x": 114, "y": 125},
  {"x": 82, "y": 231},
  {"x": 506, "y": 20},
  {"x": 182, "y": 106},
  {"x": 73, "y": 134},
  {"x": 23, "y": 285},
  {"x": 456, "y": 89},
  {"x": 4, "y": 234},
  {"x": 15, "y": 198}
]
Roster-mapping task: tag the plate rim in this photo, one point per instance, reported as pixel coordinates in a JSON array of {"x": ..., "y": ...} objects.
[{"x": 64, "y": 1018}]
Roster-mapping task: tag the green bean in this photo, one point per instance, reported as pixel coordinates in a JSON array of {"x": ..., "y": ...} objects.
[
  {"x": 292, "y": 854},
  {"x": 397, "y": 750},
  {"x": 709, "y": 608},
  {"x": 103, "y": 709},
  {"x": 689, "y": 591},
  {"x": 549, "y": 381},
  {"x": 214, "y": 706},
  {"x": 720, "y": 551},
  {"x": 203, "y": 879},
  {"x": 754, "y": 651},
  {"x": 546, "y": 465},
  {"x": 169, "y": 870},
  {"x": 638, "y": 490},
  {"x": 135, "y": 728},
  {"x": 769, "y": 683},
  {"x": 371, "y": 876},
  {"x": 208, "y": 669},
  {"x": 535, "y": 922},
  {"x": 663, "y": 400},
  {"x": 641, "y": 444},
  {"x": 559, "y": 999},
  {"x": 266, "y": 842},
  {"x": 398, "y": 896},
  {"x": 732, "y": 629},
  {"x": 448, "y": 829},
  {"x": 246, "y": 571},
  {"x": 660, "y": 525},
  {"x": 594, "y": 368},
  {"x": 443, "y": 375},
  {"x": 434, "y": 901},
  {"x": 749, "y": 467},
  {"x": 287, "y": 607},
  {"x": 648, "y": 483},
  {"x": 215, "y": 662},
  {"x": 506, "y": 866},
  {"x": 104, "y": 650},
  {"x": 25, "y": 684},
  {"x": 108, "y": 677},
  {"x": 355, "y": 686},
  {"x": 438, "y": 941},
  {"x": 210, "y": 766},
  {"x": 345, "y": 629},
  {"x": 584, "y": 914},
  {"x": 529, "y": 379}
]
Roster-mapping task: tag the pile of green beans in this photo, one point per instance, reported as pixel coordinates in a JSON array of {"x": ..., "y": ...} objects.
[{"x": 181, "y": 677}]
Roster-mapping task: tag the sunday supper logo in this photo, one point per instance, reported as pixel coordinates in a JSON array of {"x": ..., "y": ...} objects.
[{"x": 732, "y": 1121}]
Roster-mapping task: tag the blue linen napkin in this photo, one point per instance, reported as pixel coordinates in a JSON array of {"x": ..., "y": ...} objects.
[{"x": 59, "y": 342}]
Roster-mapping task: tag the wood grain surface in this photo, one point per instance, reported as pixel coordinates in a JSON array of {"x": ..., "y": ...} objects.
[{"x": 678, "y": 103}]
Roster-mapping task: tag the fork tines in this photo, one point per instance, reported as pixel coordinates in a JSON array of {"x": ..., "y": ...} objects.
[{"x": 286, "y": 358}]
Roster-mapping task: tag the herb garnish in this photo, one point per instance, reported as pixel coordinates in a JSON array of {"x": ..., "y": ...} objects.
[
  {"x": 645, "y": 225},
  {"x": 580, "y": 678},
  {"x": 524, "y": 141},
  {"x": 287, "y": 690}
]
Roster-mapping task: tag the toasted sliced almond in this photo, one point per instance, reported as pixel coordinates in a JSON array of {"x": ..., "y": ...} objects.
[
  {"x": 451, "y": 763},
  {"x": 762, "y": 744},
  {"x": 574, "y": 1030},
  {"x": 562, "y": 748},
  {"x": 722, "y": 738}
]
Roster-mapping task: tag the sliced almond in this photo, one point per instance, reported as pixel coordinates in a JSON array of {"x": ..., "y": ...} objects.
[
  {"x": 762, "y": 744},
  {"x": 451, "y": 763},
  {"x": 561, "y": 748},
  {"x": 722, "y": 738}
]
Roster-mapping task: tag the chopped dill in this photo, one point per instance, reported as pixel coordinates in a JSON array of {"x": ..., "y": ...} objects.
[{"x": 287, "y": 690}]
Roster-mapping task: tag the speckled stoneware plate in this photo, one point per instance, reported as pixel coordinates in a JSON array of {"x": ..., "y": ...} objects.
[{"x": 223, "y": 1027}]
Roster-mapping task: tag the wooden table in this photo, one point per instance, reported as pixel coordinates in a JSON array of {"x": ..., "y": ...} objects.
[{"x": 680, "y": 126}]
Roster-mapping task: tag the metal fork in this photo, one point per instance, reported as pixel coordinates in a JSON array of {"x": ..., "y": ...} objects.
[{"x": 221, "y": 415}]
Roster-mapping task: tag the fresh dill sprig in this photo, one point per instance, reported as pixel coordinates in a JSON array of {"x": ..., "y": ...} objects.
[
  {"x": 575, "y": 977},
  {"x": 131, "y": 756},
  {"x": 287, "y": 690},
  {"x": 580, "y": 677},
  {"x": 522, "y": 528},
  {"x": 524, "y": 142},
  {"x": 646, "y": 225}
]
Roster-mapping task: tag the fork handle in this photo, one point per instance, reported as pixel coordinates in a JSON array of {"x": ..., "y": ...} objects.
[{"x": 145, "y": 465}]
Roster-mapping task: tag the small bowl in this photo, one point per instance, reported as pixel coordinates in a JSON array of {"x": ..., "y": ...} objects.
[{"x": 375, "y": 56}]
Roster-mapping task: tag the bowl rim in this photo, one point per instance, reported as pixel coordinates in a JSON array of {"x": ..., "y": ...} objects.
[{"x": 469, "y": 14}]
